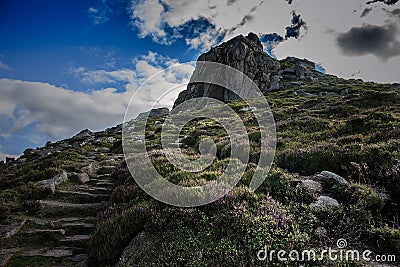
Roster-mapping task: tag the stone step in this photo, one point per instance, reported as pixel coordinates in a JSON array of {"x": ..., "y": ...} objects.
[
  {"x": 12, "y": 229},
  {"x": 94, "y": 189},
  {"x": 75, "y": 219},
  {"x": 58, "y": 222},
  {"x": 96, "y": 182},
  {"x": 50, "y": 207},
  {"x": 44, "y": 231},
  {"x": 105, "y": 184},
  {"x": 81, "y": 197},
  {"x": 50, "y": 253},
  {"x": 79, "y": 260},
  {"x": 76, "y": 240},
  {"x": 78, "y": 228},
  {"x": 104, "y": 176},
  {"x": 6, "y": 254}
]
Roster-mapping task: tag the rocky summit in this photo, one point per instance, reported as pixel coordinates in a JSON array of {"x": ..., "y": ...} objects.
[
  {"x": 335, "y": 176},
  {"x": 246, "y": 54}
]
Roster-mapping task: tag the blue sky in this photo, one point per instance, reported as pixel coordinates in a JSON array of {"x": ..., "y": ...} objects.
[
  {"x": 43, "y": 39},
  {"x": 70, "y": 65}
]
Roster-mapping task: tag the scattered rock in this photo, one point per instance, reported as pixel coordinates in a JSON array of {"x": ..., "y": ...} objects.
[
  {"x": 53, "y": 182},
  {"x": 81, "y": 178},
  {"x": 246, "y": 109},
  {"x": 89, "y": 169},
  {"x": 329, "y": 179},
  {"x": 324, "y": 202},
  {"x": 29, "y": 151},
  {"x": 313, "y": 186},
  {"x": 320, "y": 232},
  {"x": 84, "y": 134},
  {"x": 157, "y": 112}
]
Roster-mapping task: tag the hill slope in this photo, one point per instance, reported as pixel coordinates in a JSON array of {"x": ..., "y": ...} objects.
[{"x": 90, "y": 210}]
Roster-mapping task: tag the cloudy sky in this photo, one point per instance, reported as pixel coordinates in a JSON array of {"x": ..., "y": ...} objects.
[{"x": 70, "y": 65}]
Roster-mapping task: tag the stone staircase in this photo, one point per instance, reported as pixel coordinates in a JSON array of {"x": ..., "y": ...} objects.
[{"x": 59, "y": 232}]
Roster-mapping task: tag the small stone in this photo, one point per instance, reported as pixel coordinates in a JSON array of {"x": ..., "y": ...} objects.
[
  {"x": 325, "y": 202},
  {"x": 313, "y": 186},
  {"x": 320, "y": 232},
  {"x": 89, "y": 169},
  {"x": 344, "y": 92}
]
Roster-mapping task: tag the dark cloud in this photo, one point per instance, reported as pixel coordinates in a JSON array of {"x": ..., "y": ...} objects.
[
  {"x": 271, "y": 37},
  {"x": 394, "y": 13},
  {"x": 247, "y": 18},
  {"x": 294, "y": 29},
  {"x": 380, "y": 41},
  {"x": 289, "y": 1},
  {"x": 387, "y": 2},
  {"x": 230, "y": 2},
  {"x": 270, "y": 41},
  {"x": 366, "y": 12}
]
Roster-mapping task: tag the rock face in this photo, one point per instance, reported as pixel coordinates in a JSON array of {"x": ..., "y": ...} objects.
[
  {"x": 294, "y": 69},
  {"x": 157, "y": 112},
  {"x": 242, "y": 53},
  {"x": 246, "y": 54}
]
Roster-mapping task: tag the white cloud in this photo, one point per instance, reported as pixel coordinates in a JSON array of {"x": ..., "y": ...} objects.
[
  {"x": 205, "y": 40},
  {"x": 101, "y": 76},
  {"x": 325, "y": 19},
  {"x": 4, "y": 66},
  {"x": 155, "y": 17},
  {"x": 98, "y": 16},
  {"x": 59, "y": 113},
  {"x": 148, "y": 15}
]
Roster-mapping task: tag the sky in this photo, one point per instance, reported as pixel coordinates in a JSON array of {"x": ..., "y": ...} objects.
[{"x": 71, "y": 65}]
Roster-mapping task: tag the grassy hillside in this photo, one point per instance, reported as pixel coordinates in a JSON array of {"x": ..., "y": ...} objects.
[
  {"x": 355, "y": 135},
  {"x": 350, "y": 128}
]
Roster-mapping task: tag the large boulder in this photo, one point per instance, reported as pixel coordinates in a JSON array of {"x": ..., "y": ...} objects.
[{"x": 244, "y": 53}]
